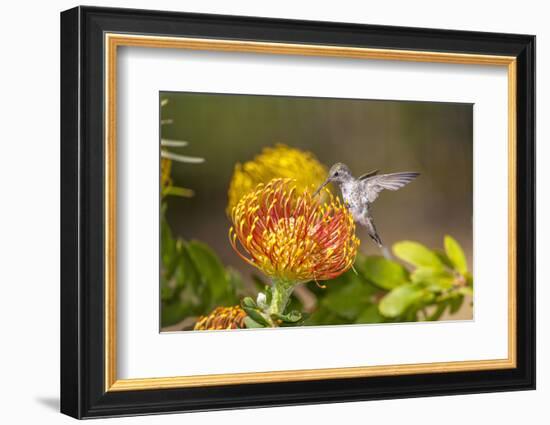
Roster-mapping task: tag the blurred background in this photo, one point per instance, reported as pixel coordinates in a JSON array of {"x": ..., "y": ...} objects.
[{"x": 434, "y": 139}]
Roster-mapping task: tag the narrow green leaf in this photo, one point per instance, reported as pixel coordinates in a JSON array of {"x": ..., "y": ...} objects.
[
  {"x": 436, "y": 315},
  {"x": 292, "y": 317},
  {"x": 382, "y": 272},
  {"x": 178, "y": 191},
  {"x": 256, "y": 316},
  {"x": 416, "y": 254},
  {"x": 251, "y": 324},
  {"x": 456, "y": 303},
  {"x": 248, "y": 302},
  {"x": 443, "y": 258},
  {"x": 456, "y": 254}
]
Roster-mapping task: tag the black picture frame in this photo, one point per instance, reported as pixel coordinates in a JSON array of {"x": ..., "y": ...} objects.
[{"x": 83, "y": 392}]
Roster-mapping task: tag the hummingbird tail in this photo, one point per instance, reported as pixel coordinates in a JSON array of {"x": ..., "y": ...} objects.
[
  {"x": 376, "y": 238},
  {"x": 372, "y": 232},
  {"x": 386, "y": 253}
]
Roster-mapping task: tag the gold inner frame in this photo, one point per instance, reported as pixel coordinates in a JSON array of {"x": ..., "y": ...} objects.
[{"x": 113, "y": 41}]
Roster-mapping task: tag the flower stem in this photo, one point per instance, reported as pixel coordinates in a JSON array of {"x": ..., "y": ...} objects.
[{"x": 280, "y": 295}]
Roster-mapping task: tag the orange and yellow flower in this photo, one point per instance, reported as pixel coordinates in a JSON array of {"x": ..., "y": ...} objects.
[
  {"x": 291, "y": 236},
  {"x": 222, "y": 318}
]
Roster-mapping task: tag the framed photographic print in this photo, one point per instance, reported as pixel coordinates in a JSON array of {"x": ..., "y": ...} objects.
[{"x": 261, "y": 212}]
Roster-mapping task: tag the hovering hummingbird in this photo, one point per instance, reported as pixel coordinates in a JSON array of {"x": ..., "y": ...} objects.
[{"x": 360, "y": 193}]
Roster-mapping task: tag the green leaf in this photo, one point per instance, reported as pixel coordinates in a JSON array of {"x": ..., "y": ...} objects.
[
  {"x": 234, "y": 279},
  {"x": 166, "y": 293},
  {"x": 370, "y": 315},
  {"x": 411, "y": 315},
  {"x": 210, "y": 268},
  {"x": 456, "y": 303},
  {"x": 251, "y": 324},
  {"x": 441, "y": 307},
  {"x": 186, "y": 274},
  {"x": 168, "y": 244},
  {"x": 256, "y": 316},
  {"x": 469, "y": 279},
  {"x": 417, "y": 254},
  {"x": 268, "y": 294},
  {"x": 168, "y": 248},
  {"x": 249, "y": 303},
  {"x": 443, "y": 258},
  {"x": 178, "y": 191},
  {"x": 436, "y": 279},
  {"x": 384, "y": 273},
  {"x": 466, "y": 290},
  {"x": 348, "y": 300},
  {"x": 456, "y": 254},
  {"x": 292, "y": 317},
  {"x": 398, "y": 300},
  {"x": 174, "y": 312},
  {"x": 323, "y": 316}
]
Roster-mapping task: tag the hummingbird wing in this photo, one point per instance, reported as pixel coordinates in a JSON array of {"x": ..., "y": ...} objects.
[
  {"x": 369, "y": 174},
  {"x": 372, "y": 186}
]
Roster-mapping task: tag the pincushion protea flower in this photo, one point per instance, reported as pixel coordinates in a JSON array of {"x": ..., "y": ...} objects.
[
  {"x": 291, "y": 237},
  {"x": 279, "y": 161},
  {"x": 222, "y": 318}
]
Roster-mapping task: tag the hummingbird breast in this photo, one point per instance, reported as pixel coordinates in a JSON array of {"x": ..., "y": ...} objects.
[{"x": 353, "y": 197}]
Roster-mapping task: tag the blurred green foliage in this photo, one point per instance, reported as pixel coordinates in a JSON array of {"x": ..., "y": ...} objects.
[
  {"x": 193, "y": 280},
  {"x": 381, "y": 290}
]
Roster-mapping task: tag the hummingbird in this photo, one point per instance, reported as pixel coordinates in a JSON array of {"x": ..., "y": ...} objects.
[{"x": 359, "y": 193}]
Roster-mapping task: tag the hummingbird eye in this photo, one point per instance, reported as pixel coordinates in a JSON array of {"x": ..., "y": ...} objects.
[{"x": 336, "y": 174}]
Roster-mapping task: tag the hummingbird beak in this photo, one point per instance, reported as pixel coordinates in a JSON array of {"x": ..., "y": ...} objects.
[{"x": 321, "y": 187}]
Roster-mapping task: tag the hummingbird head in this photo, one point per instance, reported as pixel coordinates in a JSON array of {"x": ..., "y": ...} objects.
[{"x": 338, "y": 173}]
